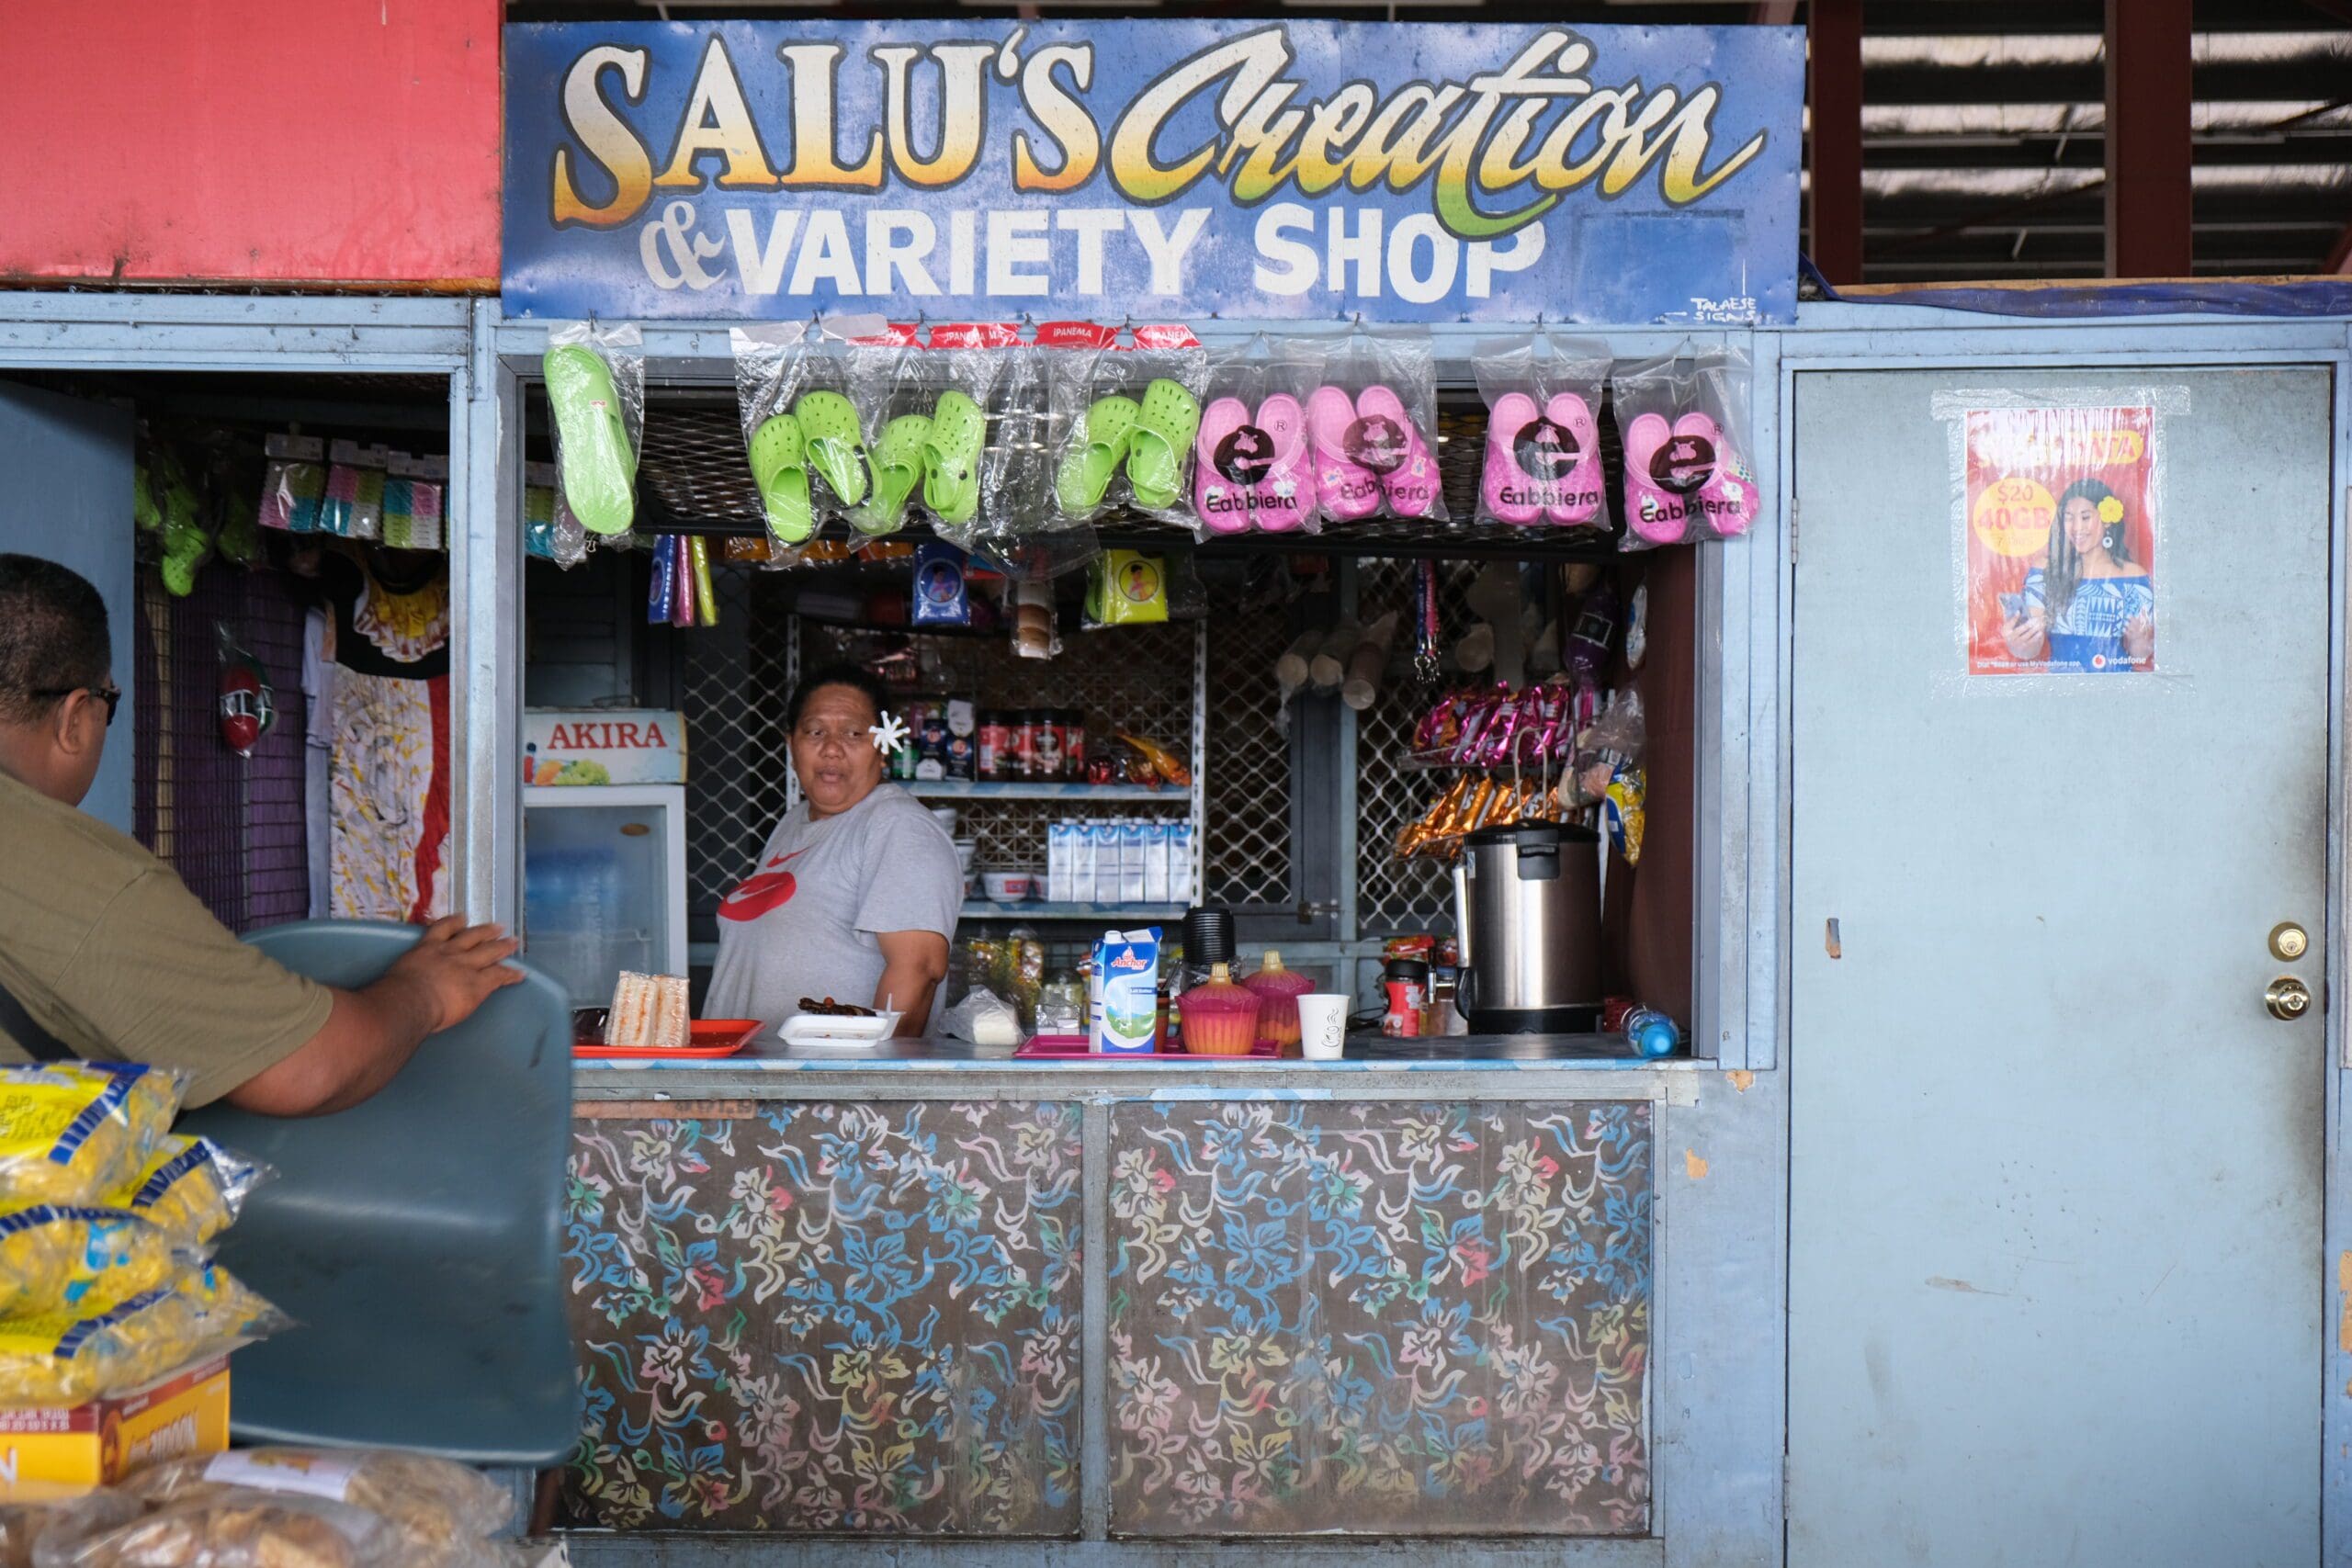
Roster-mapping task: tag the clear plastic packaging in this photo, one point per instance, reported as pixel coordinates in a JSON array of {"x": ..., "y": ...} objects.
[
  {"x": 441, "y": 1513},
  {"x": 768, "y": 379},
  {"x": 69, "y": 1357},
  {"x": 1372, "y": 425},
  {"x": 885, "y": 378},
  {"x": 1129, "y": 428},
  {"x": 1683, "y": 420},
  {"x": 1254, "y": 464},
  {"x": 81, "y": 1258},
  {"x": 293, "y": 482},
  {"x": 1126, "y": 588},
  {"x": 72, "y": 1131},
  {"x": 1542, "y": 464},
  {"x": 229, "y": 1528},
  {"x": 595, "y": 386},
  {"x": 26, "y": 1522},
  {"x": 960, "y": 368},
  {"x": 193, "y": 1188},
  {"x": 549, "y": 530},
  {"x": 352, "y": 504},
  {"x": 412, "y": 503}
]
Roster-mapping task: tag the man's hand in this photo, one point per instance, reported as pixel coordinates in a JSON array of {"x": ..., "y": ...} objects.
[{"x": 457, "y": 967}]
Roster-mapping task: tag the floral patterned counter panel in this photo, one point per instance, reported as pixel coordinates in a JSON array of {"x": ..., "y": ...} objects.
[
  {"x": 1389, "y": 1319},
  {"x": 829, "y": 1317}
]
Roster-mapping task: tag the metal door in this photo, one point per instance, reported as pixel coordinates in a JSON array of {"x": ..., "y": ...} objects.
[
  {"x": 65, "y": 494},
  {"x": 2055, "y": 1173}
]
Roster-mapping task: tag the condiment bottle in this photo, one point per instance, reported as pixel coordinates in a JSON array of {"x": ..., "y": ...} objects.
[
  {"x": 1220, "y": 1018},
  {"x": 1278, "y": 991}
]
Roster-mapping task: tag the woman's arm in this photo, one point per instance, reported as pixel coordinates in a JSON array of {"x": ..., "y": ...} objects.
[{"x": 914, "y": 963}]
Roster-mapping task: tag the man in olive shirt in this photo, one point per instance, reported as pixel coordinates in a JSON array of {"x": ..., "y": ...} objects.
[{"x": 109, "y": 956}]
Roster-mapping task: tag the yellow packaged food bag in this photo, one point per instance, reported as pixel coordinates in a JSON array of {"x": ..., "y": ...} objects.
[
  {"x": 66, "y": 1358},
  {"x": 55, "y": 1257},
  {"x": 72, "y": 1130},
  {"x": 191, "y": 1187}
]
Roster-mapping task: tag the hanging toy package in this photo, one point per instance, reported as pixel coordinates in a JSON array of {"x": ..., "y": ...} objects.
[
  {"x": 1684, "y": 419},
  {"x": 960, "y": 366},
  {"x": 1373, "y": 424},
  {"x": 769, "y": 376},
  {"x": 352, "y": 504},
  {"x": 884, "y": 373},
  {"x": 941, "y": 595},
  {"x": 1126, "y": 588},
  {"x": 248, "y": 703},
  {"x": 595, "y": 383},
  {"x": 1542, "y": 465},
  {"x": 1253, "y": 466}
]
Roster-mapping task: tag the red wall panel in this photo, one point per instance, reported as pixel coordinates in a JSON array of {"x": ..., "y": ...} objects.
[{"x": 263, "y": 140}]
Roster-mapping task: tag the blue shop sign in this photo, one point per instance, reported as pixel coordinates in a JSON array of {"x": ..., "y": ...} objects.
[{"x": 1301, "y": 169}]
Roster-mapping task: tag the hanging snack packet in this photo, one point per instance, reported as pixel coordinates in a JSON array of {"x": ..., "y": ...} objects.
[
  {"x": 1542, "y": 454},
  {"x": 192, "y": 1188},
  {"x": 293, "y": 483},
  {"x": 79, "y": 1258},
  {"x": 1126, "y": 588},
  {"x": 70, "y": 1131},
  {"x": 1372, "y": 423},
  {"x": 69, "y": 1357},
  {"x": 1685, "y": 423},
  {"x": 941, "y": 596},
  {"x": 595, "y": 385},
  {"x": 1253, "y": 466}
]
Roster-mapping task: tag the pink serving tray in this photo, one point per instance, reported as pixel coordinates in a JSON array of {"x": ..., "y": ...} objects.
[{"x": 1078, "y": 1048}]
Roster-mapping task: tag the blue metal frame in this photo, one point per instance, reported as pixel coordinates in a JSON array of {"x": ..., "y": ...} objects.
[{"x": 1718, "y": 1393}]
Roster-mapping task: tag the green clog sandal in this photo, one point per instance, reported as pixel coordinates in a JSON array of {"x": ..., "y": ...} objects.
[
  {"x": 898, "y": 468},
  {"x": 780, "y": 469},
  {"x": 1162, "y": 439},
  {"x": 599, "y": 466},
  {"x": 951, "y": 458},
  {"x": 1095, "y": 451},
  {"x": 836, "y": 445}
]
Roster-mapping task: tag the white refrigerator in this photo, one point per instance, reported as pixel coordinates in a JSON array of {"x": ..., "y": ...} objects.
[{"x": 604, "y": 883}]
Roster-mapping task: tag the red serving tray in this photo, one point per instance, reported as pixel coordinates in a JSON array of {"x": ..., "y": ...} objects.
[
  {"x": 1078, "y": 1048},
  {"x": 711, "y": 1037}
]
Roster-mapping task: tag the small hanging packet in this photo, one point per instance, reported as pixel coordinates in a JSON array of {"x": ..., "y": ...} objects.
[
  {"x": 293, "y": 483},
  {"x": 549, "y": 530},
  {"x": 941, "y": 595},
  {"x": 1126, "y": 588}
]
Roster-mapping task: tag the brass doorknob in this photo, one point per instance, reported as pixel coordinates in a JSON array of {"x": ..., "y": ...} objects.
[
  {"x": 2288, "y": 941},
  {"x": 2287, "y": 997}
]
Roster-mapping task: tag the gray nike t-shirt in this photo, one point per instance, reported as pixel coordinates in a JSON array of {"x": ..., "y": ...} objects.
[{"x": 803, "y": 923}]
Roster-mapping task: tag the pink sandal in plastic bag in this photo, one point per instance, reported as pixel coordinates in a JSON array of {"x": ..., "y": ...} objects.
[{"x": 1286, "y": 495}]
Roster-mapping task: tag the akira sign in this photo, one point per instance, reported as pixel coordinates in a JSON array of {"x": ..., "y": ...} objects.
[{"x": 1299, "y": 169}]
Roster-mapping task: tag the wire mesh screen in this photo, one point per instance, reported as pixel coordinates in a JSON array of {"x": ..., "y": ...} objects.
[
  {"x": 232, "y": 827},
  {"x": 1399, "y": 896},
  {"x": 1247, "y": 801},
  {"x": 733, "y": 681}
]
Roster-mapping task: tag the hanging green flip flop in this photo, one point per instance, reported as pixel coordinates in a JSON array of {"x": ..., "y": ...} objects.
[
  {"x": 780, "y": 468},
  {"x": 1162, "y": 439},
  {"x": 951, "y": 458},
  {"x": 599, "y": 467},
  {"x": 836, "y": 445},
  {"x": 1095, "y": 455},
  {"x": 897, "y": 467}
]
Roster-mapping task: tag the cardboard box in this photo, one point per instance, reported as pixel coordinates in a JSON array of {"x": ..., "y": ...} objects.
[
  {"x": 604, "y": 746},
  {"x": 99, "y": 1443}
]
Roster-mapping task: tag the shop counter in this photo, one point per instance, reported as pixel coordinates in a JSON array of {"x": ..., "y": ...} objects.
[{"x": 852, "y": 1293}]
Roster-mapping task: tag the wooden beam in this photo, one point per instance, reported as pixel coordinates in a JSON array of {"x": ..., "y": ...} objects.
[
  {"x": 1834, "y": 41},
  {"x": 2149, "y": 213}
]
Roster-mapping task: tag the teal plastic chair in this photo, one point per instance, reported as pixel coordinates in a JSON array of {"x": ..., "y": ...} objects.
[{"x": 416, "y": 1239}]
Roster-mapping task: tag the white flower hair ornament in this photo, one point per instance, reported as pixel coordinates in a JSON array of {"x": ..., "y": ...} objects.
[{"x": 889, "y": 735}]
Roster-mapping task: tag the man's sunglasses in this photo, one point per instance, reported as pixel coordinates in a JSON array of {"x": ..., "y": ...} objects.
[{"x": 110, "y": 695}]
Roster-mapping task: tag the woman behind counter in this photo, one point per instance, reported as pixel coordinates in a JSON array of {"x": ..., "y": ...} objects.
[{"x": 856, "y": 894}]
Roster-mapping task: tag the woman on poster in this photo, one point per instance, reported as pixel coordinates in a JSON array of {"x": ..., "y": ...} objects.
[{"x": 2090, "y": 606}]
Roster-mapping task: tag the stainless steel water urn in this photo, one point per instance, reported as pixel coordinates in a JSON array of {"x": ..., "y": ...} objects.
[{"x": 1527, "y": 910}]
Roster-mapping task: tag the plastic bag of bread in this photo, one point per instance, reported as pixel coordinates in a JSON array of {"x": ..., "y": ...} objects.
[
  {"x": 230, "y": 1527},
  {"x": 72, "y": 1131},
  {"x": 67, "y": 1357},
  {"x": 73, "y": 1257},
  {"x": 74, "y": 1511},
  {"x": 441, "y": 1511},
  {"x": 192, "y": 1186}
]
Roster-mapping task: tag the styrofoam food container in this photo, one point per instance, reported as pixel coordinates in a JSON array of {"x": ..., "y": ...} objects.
[
  {"x": 815, "y": 1029},
  {"x": 1008, "y": 886}
]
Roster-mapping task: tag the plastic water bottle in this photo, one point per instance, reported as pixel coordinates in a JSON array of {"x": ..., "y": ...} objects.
[{"x": 1651, "y": 1034}]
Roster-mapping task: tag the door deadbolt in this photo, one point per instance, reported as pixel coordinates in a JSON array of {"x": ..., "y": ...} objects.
[
  {"x": 2287, "y": 997},
  {"x": 2288, "y": 941}
]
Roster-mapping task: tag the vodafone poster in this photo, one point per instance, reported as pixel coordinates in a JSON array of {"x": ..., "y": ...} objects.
[{"x": 2059, "y": 508}]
